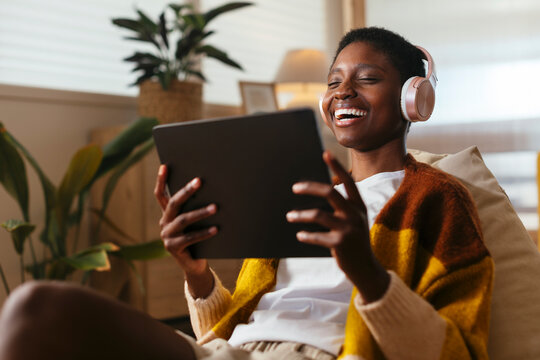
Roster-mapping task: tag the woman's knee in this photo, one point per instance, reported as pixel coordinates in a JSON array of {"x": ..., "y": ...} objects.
[{"x": 37, "y": 301}]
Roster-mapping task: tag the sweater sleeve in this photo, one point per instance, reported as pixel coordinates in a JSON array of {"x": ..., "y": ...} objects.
[
  {"x": 401, "y": 322},
  {"x": 205, "y": 313}
]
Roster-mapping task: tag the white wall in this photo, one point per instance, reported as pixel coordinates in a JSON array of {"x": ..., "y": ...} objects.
[{"x": 487, "y": 53}]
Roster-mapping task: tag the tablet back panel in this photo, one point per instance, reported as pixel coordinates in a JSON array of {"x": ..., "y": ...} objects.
[{"x": 247, "y": 166}]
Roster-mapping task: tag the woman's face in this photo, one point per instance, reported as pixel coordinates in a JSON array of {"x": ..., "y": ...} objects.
[{"x": 361, "y": 103}]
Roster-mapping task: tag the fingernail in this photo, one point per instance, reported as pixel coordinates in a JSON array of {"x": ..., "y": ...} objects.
[
  {"x": 196, "y": 182},
  {"x": 298, "y": 187},
  {"x": 211, "y": 208},
  {"x": 301, "y": 235},
  {"x": 292, "y": 215},
  {"x": 213, "y": 230},
  {"x": 162, "y": 170}
]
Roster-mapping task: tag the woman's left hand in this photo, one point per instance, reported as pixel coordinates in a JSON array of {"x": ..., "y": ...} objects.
[{"x": 348, "y": 236}]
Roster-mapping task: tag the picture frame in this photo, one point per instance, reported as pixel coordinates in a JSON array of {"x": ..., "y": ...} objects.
[{"x": 258, "y": 97}]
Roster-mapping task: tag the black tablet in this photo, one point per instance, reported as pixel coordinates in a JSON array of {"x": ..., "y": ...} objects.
[{"x": 247, "y": 165}]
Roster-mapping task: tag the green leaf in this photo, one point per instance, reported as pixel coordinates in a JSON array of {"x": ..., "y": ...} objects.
[
  {"x": 94, "y": 260},
  {"x": 163, "y": 29},
  {"x": 144, "y": 58},
  {"x": 19, "y": 230},
  {"x": 195, "y": 73},
  {"x": 59, "y": 269},
  {"x": 81, "y": 171},
  {"x": 144, "y": 251},
  {"x": 106, "y": 246},
  {"x": 4, "y": 281},
  {"x": 142, "y": 78},
  {"x": 13, "y": 172},
  {"x": 165, "y": 79},
  {"x": 121, "y": 169},
  {"x": 51, "y": 234},
  {"x": 178, "y": 8},
  {"x": 49, "y": 190},
  {"x": 129, "y": 24},
  {"x": 147, "y": 22},
  {"x": 196, "y": 21},
  {"x": 122, "y": 145},
  {"x": 211, "y": 14},
  {"x": 217, "y": 54},
  {"x": 188, "y": 42}
]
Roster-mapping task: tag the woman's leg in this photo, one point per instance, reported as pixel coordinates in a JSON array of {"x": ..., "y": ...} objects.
[{"x": 55, "y": 320}]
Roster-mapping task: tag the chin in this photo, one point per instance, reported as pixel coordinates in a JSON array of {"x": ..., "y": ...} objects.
[{"x": 347, "y": 141}]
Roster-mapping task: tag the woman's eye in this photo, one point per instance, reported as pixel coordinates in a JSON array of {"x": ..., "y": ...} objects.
[{"x": 333, "y": 84}]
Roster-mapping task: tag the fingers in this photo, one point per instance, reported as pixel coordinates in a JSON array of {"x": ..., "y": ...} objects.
[
  {"x": 159, "y": 189},
  {"x": 177, "y": 200},
  {"x": 325, "y": 239},
  {"x": 345, "y": 178},
  {"x": 325, "y": 191},
  {"x": 316, "y": 216},
  {"x": 177, "y": 244},
  {"x": 179, "y": 223}
]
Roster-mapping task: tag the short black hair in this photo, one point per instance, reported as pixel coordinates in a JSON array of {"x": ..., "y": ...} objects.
[{"x": 406, "y": 57}]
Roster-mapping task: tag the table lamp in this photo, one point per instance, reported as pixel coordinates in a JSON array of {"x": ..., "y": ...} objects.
[{"x": 302, "y": 76}]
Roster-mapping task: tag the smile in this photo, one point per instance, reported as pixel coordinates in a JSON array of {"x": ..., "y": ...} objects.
[{"x": 347, "y": 116}]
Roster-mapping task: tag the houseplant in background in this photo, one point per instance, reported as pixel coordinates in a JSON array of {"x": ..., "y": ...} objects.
[
  {"x": 65, "y": 205},
  {"x": 167, "y": 89}
]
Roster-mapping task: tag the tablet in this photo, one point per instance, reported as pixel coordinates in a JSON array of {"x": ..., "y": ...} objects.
[{"x": 247, "y": 165}]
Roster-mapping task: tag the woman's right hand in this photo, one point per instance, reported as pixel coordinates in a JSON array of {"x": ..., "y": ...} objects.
[{"x": 173, "y": 223}]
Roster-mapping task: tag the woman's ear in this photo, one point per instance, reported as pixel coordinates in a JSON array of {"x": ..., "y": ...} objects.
[{"x": 321, "y": 110}]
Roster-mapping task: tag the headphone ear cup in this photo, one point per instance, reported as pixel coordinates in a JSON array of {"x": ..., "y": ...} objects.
[
  {"x": 321, "y": 110},
  {"x": 417, "y": 99}
]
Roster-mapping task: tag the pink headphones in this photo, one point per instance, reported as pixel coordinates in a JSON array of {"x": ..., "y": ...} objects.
[{"x": 417, "y": 94}]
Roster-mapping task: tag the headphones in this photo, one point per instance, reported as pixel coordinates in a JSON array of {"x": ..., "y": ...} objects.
[{"x": 417, "y": 94}]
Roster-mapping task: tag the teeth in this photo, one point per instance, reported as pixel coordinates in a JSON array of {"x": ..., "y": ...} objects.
[{"x": 340, "y": 113}]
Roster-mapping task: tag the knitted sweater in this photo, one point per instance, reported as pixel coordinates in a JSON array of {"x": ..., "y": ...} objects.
[{"x": 428, "y": 237}]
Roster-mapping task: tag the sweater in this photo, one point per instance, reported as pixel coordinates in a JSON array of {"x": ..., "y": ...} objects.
[{"x": 428, "y": 237}]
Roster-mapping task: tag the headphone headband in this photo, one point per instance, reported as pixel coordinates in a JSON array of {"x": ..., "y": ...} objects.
[{"x": 431, "y": 73}]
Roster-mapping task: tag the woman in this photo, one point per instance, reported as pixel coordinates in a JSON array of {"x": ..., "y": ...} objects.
[{"x": 417, "y": 285}]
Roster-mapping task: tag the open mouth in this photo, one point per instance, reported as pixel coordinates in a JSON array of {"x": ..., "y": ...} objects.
[{"x": 348, "y": 116}]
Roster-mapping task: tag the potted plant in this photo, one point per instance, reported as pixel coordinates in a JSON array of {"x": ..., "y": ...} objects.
[
  {"x": 66, "y": 203},
  {"x": 166, "y": 87}
]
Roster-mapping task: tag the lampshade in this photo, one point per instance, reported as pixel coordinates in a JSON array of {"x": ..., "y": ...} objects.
[{"x": 303, "y": 66}]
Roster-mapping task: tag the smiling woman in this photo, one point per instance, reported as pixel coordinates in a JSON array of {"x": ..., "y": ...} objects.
[{"x": 409, "y": 276}]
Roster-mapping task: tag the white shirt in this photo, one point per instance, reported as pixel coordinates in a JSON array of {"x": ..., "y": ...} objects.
[{"x": 311, "y": 298}]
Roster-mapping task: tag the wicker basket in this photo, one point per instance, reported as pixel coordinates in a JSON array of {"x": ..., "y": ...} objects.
[{"x": 181, "y": 102}]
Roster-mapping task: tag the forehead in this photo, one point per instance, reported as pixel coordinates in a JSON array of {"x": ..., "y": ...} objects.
[{"x": 362, "y": 53}]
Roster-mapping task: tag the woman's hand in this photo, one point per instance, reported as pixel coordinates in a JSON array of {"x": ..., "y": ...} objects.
[
  {"x": 348, "y": 236},
  {"x": 173, "y": 223}
]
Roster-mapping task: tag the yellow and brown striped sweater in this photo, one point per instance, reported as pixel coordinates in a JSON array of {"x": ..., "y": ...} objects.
[{"x": 428, "y": 234}]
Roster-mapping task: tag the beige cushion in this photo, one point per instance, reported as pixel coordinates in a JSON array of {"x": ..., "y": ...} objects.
[{"x": 515, "y": 311}]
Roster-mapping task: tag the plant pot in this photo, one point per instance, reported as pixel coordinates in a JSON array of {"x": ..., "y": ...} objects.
[{"x": 181, "y": 102}]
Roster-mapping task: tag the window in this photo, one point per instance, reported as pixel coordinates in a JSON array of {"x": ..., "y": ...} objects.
[
  {"x": 72, "y": 44},
  {"x": 69, "y": 44},
  {"x": 487, "y": 53}
]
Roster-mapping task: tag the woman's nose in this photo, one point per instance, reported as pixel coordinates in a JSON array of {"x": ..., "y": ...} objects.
[{"x": 345, "y": 90}]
